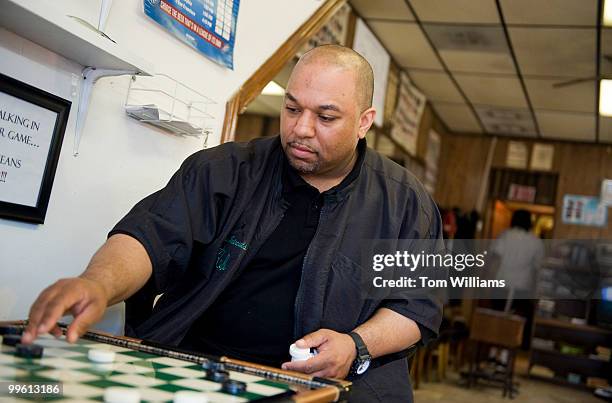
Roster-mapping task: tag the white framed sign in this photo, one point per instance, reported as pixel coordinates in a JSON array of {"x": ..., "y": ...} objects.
[
  {"x": 32, "y": 126},
  {"x": 366, "y": 44}
]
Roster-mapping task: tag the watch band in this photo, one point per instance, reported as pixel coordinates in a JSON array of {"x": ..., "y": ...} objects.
[{"x": 362, "y": 349}]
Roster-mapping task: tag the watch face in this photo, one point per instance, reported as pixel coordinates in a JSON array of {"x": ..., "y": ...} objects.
[{"x": 363, "y": 367}]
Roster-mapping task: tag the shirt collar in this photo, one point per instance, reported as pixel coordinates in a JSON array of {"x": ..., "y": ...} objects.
[{"x": 291, "y": 179}]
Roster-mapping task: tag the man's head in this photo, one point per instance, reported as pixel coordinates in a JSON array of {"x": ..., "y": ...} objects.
[
  {"x": 521, "y": 219},
  {"x": 327, "y": 109}
]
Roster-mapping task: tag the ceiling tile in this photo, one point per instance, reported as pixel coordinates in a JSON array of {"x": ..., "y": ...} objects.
[
  {"x": 489, "y": 90},
  {"x": 475, "y": 62},
  {"x": 472, "y": 49},
  {"x": 395, "y": 36},
  {"x": 489, "y": 39},
  {"x": 606, "y": 49},
  {"x": 550, "y": 12},
  {"x": 605, "y": 129},
  {"x": 566, "y": 126},
  {"x": 468, "y": 11},
  {"x": 578, "y": 97},
  {"x": 389, "y": 9},
  {"x": 555, "y": 51},
  {"x": 457, "y": 117},
  {"x": 507, "y": 121},
  {"x": 437, "y": 86}
]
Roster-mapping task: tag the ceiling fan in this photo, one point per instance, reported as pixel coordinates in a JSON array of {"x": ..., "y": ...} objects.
[{"x": 574, "y": 81}]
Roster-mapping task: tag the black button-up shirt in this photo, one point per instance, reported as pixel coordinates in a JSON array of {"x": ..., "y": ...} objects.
[{"x": 253, "y": 318}]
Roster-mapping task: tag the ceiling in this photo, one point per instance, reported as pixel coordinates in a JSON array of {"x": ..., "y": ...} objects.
[{"x": 488, "y": 67}]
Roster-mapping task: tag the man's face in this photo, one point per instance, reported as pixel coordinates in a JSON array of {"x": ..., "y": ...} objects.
[{"x": 320, "y": 119}]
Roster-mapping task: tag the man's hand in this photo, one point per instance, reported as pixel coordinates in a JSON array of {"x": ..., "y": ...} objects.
[
  {"x": 85, "y": 299},
  {"x": 336, "y": 354}
]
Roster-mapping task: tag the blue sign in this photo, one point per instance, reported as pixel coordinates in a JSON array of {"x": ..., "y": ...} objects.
[{"x": 206, "y": 25}]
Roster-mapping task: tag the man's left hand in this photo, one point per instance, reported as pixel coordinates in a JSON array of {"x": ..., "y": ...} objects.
[{"x": 336, "y": 354}]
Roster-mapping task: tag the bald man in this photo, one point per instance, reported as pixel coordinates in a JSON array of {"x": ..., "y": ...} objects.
[{"x": 257, "y": 246}]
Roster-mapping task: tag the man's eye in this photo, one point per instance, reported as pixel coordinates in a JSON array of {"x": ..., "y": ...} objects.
[
  {"x": 327, "y": 118},
  {"x": 291, "y": 109}
]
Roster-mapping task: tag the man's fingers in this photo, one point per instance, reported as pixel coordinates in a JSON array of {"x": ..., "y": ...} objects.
[
  {"x": 308, "y": 366},
  {"x": 56, "y": 331},
  {"x": 82, "y": 322},
  {"x": 36, "y": 315},
  {"x": 313, "y": 340}
]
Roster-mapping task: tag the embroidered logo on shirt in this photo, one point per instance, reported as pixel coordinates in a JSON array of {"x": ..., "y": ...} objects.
[{"x": 224, "y": 255}]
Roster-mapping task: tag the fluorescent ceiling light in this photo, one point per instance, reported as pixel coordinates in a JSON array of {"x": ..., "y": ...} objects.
[
  {"x": 605, "y": 97},
  {"x": 607, "y": 14},
  {"x": 273, "y": 89}
]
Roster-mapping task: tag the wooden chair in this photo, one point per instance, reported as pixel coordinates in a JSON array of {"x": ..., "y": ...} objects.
[{"x": 498, "y": 329}]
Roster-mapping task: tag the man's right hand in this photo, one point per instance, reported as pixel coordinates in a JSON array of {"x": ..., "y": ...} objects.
[{"x": 85, "y": 299}]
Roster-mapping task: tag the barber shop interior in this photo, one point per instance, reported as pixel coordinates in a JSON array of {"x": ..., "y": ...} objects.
[{"x": 306, "y": 201}]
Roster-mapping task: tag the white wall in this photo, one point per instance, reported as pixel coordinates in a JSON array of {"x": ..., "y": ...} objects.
[{"x": 120, "y": 160}]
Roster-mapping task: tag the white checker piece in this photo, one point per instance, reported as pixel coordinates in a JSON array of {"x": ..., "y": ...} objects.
[
  {"x": 67, "y": 375},
  {"x": 135, "y": 380},
  {"x": 63, "y": 363},
  {"x": 170, "y": 362},
  {"x": 183, "y": 372}
]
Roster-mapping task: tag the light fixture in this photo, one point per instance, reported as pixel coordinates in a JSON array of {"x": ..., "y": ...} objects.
[
  {"x": 273, "y": 89},
  {"x": 605, "y": 97},
  {"x": 607, "y": 13}
]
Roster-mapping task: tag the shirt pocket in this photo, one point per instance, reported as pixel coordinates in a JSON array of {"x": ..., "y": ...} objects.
[{"x": 344, "y": 299}]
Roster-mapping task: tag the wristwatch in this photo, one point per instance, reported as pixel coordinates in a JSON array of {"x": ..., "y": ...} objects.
[{"x": 363, "y": 359}]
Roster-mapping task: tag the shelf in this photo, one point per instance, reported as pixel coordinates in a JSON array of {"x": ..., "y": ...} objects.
[
  {"x": 572, "y": 326},
  {"x": 584, "y": 358},
  {"x": 45, "y": 25}
]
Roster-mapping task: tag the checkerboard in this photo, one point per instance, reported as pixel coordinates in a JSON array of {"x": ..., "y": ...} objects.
[{"x": 156, "y": 377}]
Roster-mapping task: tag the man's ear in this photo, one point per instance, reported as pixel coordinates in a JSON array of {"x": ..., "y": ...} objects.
[{"x": 366, "y": 120}]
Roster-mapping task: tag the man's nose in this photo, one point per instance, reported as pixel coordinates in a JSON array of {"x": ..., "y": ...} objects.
[{"x": 304, "y": 127}]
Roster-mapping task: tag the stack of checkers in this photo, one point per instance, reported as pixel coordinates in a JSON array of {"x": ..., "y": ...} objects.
[
  {"x": 92, "y": 371},
  {"x": 11, "y": 336}
]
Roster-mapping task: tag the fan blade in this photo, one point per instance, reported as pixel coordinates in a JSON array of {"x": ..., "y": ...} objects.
[{"x": 573, "y": 81}]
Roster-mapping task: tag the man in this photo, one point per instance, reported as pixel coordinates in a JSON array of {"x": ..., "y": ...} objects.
[{"x": 256, "y": 246}]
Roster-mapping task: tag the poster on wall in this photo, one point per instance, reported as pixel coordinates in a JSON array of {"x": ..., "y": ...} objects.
[
  {"x": 606, "y": 192},
  {"x": 408, "y": 113},
  {"x": 517, "y": 154},
  {"x": 334, "y": 32},
  {"x": 542, "y": 156},
  {"x": 584, "y": 210},
  {"x": 375, "y": 53},
  {"x": 32, "y": 126},
  {"x": 431, "y": 161},
  {"x": 209, "y": 26}
]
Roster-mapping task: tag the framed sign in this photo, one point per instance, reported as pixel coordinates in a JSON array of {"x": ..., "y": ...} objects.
[{"x": 32, "y": 126}]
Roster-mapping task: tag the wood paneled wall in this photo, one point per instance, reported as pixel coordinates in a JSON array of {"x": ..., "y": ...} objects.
[
  {"x": 581, "y": 168},
  {"x": 251, "y": 126}
]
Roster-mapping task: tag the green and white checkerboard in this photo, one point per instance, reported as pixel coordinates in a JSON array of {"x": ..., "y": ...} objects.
[{"x": 157, "y": 378}]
